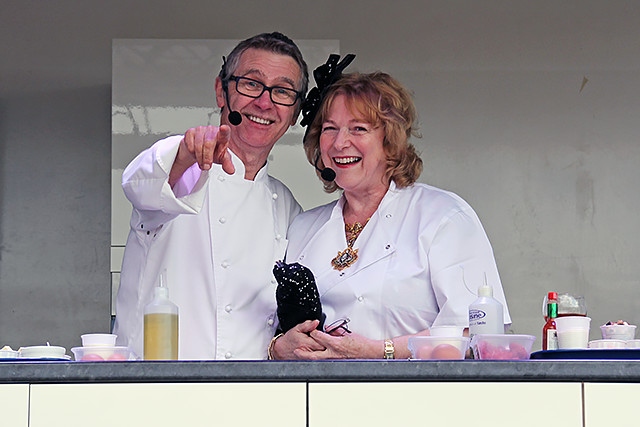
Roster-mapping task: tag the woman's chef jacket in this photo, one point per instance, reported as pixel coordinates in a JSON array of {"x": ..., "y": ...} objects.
[
  {"x": 217, "y": 236},
  {"x": 421, "y": 258}
]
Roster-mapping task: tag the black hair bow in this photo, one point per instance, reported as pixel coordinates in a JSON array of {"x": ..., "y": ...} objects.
[
  {"x": 297, "y": 296},
  {"x": 325, "y": 75}
]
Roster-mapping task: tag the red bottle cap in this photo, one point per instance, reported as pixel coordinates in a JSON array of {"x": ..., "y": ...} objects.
[{"x": 552, "y": 295}]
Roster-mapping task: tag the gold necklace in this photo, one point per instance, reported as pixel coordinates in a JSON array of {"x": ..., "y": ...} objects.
[{"x": 346, "y": 258}]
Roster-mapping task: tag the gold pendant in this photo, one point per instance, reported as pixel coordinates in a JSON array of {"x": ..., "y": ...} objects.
[{"x": 344, "y": 259}]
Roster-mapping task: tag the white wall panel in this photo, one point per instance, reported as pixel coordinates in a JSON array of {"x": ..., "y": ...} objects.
[{"x": 168, "y": 405}]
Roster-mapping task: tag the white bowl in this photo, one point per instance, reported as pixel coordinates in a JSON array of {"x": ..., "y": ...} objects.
[
  {"x": 98, "y": 340},
  {"x": 633, "y": 344},
  {"x": 438, "y": 348},
  {"x": 607, "y": 344},
  {"x": 43, "y": 352},
  {"x": 9, "y": 353},
  {"x": 618, "y": 332}
]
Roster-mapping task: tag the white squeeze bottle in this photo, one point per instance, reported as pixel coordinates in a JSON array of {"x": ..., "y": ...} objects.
[
  {"x": 485, "y": 313},
  {"x": 161, "y": 325}
]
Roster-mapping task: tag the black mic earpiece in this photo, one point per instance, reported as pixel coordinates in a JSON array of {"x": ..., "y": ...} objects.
[
  {"x": 235, "y": 118},
  {"x": 327, "y": 174}
]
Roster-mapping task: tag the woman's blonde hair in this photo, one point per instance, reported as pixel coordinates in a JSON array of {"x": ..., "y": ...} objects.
[{"x": 378, "y": 99}]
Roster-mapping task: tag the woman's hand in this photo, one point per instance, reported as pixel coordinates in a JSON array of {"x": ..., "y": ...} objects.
[
  {"x": 347, "y": 346},
  {"x": 296, "y": 338},
  {"x": 353, "y": 346}
]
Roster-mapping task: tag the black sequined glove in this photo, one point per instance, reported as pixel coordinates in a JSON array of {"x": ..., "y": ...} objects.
[{"x": 297, "y": 296}]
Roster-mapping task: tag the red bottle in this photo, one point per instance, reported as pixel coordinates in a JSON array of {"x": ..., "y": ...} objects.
[{"x": 549, "y": 333}]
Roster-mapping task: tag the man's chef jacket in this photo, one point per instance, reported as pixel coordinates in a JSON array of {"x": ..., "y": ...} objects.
[{"x": 217, "y": 236}]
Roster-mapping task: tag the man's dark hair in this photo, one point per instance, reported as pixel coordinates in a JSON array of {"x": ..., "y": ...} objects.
[{"x": 273, "y": 42}]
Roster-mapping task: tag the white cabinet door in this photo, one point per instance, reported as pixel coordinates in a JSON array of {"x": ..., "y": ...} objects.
[
  {"x": 14, "y": 404},
  {"x": 445, "y": 404},
  {"x": 168, "y": 405},
  {"x": 611, "y": 405}
]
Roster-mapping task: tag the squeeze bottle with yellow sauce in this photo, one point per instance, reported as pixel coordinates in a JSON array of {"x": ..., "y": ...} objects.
[{"x": 161, "y": 325}]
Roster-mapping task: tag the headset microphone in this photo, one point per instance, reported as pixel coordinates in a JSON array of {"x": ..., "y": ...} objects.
[
  {"x": 327, "y": 174},
  {"x": 235, "y": 118}
]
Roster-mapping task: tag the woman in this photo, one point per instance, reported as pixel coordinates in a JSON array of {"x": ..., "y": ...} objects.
[{"x": 394, "y": 256}]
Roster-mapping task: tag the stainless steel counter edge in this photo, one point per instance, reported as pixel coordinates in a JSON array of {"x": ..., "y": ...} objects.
[{"x": 42, "y": 372}]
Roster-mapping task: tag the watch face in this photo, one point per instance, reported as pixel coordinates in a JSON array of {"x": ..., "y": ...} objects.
[{"x": 389, "y": 350}]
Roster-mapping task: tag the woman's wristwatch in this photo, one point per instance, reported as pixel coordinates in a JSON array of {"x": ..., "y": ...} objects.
[{"x": 389, "y": 349}]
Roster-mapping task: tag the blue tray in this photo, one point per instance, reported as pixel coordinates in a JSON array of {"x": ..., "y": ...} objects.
[{"x": 589, "y": 354}]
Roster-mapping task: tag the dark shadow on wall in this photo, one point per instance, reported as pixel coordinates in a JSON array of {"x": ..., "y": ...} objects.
[
  {"x": 3, "y": 140},
  {"x": 55, "y": 196}
]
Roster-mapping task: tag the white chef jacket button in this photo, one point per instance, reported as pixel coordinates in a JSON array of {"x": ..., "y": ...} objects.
[
  {"x": 341, "y": 274},
  {"x": 220, "y": 178},
  {"x": 278, "y": 237},
  {"x": 360, "y": 298},
  {"x": 270, "y": 322},
  {"x": 224, "y": 264},
  {"x": 227, "y": 355},
  {"x": 222, "y": 220},
  {"x": 301, "y": 257},
  {"x": 228, "y": 309},
  {"x": 387, "y": 247},
  {"x": 388, "y": 215},
  {"x": 274, "y": 281},
  {"x": 274, "y": 195}
]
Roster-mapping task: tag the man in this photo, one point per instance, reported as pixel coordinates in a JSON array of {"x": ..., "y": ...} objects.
[{"x": 206, "y": 211}]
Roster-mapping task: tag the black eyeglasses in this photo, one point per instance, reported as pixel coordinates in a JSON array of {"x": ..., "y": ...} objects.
[
  {"x": 338, "y": 324},
  {"x": 254, "y": 89}
]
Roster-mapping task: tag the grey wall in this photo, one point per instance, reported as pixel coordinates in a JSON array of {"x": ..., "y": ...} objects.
[{"x": 550, "y": 165}]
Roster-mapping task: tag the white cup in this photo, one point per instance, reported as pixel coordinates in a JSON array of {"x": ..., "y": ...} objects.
[
  {"x": 573, "y": 331},
  {"x": 98, "y": 340},
  {"x": 446, "y": 331}
]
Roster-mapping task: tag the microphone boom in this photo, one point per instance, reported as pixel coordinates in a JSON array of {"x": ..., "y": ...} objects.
[{"x": 235, "y": 118}]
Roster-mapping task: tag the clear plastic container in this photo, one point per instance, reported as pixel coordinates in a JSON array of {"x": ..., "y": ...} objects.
[
  {"x": 502, "y": 346},
  {"x": 618, "y": 332},
  {"x": 101, "y": 354},
  {"x": 438, "y": 348}
]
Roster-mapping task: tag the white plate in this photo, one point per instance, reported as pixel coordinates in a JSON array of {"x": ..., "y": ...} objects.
[{"x": 64, "y": 357}]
